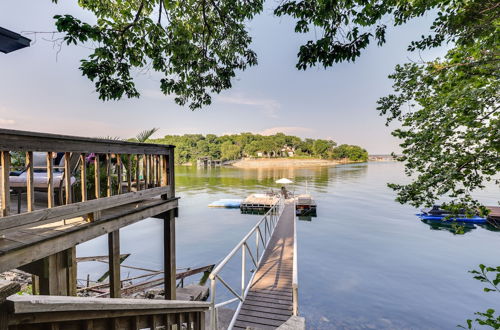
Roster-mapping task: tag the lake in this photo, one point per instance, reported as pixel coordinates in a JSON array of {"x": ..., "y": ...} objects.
[{"x": 365, "y": 261}]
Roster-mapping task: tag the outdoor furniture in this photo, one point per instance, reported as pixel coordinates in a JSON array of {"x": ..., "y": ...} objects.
[{"x": 18, "y": 183}]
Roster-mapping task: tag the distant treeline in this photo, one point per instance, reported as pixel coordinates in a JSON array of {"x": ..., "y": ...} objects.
[{"x": 190, "y": 147}]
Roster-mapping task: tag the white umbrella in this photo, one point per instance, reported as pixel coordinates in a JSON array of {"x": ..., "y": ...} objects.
[{"x": 284, "y": 181}]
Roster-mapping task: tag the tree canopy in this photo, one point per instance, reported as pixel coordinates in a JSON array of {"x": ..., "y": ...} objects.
[
  {"x": 449, "y": 109},
  {"x": 198, "y": 45},
  {"x": 190, "y": 147}
]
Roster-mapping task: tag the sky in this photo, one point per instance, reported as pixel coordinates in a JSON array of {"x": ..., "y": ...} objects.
[{"x": 41, "y": 87}]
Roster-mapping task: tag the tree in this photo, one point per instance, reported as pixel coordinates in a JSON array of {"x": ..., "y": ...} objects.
[
  {"x": 449, "y": 110},
  {"x": 144, "y": 135},
  {"x": 351, "y": 152},
  {"x": 230, "y": 151},
  {"x": 322, "y": 147},
  {"x": 198, "y": 45}
]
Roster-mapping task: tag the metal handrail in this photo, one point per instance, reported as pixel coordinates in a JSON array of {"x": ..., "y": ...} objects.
[
  {"x": 269, "y": 220},
  {"x": 295, "y": 279}
]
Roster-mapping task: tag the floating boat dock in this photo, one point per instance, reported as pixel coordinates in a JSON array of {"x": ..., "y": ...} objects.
[
  {"x": 258, "y": 202},
  {"x": 305, "y": 205},
  {"x": 494, "y": 216}
]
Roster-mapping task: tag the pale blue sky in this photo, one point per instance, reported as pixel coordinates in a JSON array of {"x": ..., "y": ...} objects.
[{"x": 44, "y": 91}]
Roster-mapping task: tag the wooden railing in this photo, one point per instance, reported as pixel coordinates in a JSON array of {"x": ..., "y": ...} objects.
[
  {"x": 52, "y": 312},
  {"x": 94, "y": 175}
]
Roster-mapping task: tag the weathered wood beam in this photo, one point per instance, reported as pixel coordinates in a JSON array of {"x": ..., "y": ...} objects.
[
  {"x": 114, "y": 264},
  {"x": 50, "y": 180},
  {"x": 13, "y": 140},
  {"x": 80, "y": 208},
  {"x": 26, "y": 254},
  {"x": 41, "y": 304},
  {"x": 169, "y": 255},
  {"x": 4, "y": 183},
  {"x": 30, "y": 184}
]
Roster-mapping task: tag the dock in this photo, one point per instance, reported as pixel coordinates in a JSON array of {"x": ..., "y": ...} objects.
[
  {"x": 269, "y": 296},
  {"x": 269, "y": 302},
  {"x": 258, "y": 203},
  {"x": 494, "y": 216}
]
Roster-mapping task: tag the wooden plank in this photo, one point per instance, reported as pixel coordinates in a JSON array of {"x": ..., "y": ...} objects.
[
  {"x": 109, "y": 182},
  {"x": 25, "y": 254},
  {"x": 260, "y": 320},
  {"x": 41, "y": 304},
  {"x": 80, "y": 208},
  {"x": 145, "y": 171},
  {"x": 67, "y": 177},
  {"x": 114, "y": 264},
  {"x": 269, "y": 296},
  {"x": 265, "y": 315},
  {"x": 129, "y": 173},
  {"x": 14, "y": 140},
  {"x": 171, "y": 173},
  {"x": 71, "y": 270},
  {"x": 30, "y": 184},
  {"x": 138, "y": 172},
  {"x": 100, "y": 317},
  {"x": 264, "y": 309},
  {"x": 278, "y": 292},
  {"x": 50, "y": 180},
  {"x": 268, "y": 300},
  {"x": 169, "y": 255},
  {"x": 119, "y": 173},
  {"x": 251, "y": 325},
  {"x": 5, "y": 184},
  {"x": 83, "y": 177}
]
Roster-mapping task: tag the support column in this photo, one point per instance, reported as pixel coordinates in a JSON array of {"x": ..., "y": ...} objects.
[
  {"x": 114, "y": 264},
  {"x": 54, "y": 275},
  {"x": 169, "y": 254}
]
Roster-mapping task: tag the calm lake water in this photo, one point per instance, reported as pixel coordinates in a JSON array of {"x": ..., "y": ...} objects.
[{"x": 365, "y": 262}]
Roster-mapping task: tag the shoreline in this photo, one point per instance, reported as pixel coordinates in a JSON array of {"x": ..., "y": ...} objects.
[{"x": 285, "y": 162}]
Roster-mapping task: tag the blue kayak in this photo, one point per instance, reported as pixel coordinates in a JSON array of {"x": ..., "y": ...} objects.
[
  {"x": 227, "y": 203},
  {"x": 475, "y": 219}
]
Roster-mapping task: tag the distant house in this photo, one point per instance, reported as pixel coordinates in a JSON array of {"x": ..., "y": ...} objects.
[{"x": 260, "y": 154}]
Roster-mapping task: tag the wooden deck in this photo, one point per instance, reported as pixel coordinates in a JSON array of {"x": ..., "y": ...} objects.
[
  {"x": 269, "y": 301},
  {"x": 21, "y": 245}
]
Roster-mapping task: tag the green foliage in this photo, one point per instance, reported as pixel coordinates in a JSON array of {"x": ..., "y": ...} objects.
[
  {"x": 449, "y": 110},
  {"x": 487, "y": 318},
  {"x": 18, "y": 160},
  {"x": 26, "y": 290},
  {"x": 322, "y": 147},
  {"x": 196, "y": 45},
  {"x": 351, "y": 152},
  {"x": 145, "y": 135},
  {"x": 230, "y": 151},
  {"x": 189, "y": 147}
]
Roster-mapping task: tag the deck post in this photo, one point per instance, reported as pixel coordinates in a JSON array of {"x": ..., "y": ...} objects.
[
  {"x": 169, "y": 254},
  {"x": 171, "y": 174},
  {"x": 54, "y": 275},
  {"x": 114, "y": 264},
  {"x": 5, "y": 186}
]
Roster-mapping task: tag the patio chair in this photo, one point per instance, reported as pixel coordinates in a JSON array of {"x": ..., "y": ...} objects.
[{"x": 18, "y": 183}]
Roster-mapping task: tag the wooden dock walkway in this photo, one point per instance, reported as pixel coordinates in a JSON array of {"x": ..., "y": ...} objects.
[{"x": 269, "y": 302}]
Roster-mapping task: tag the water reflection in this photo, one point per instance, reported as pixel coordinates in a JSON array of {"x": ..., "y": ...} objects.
[
  {"x": 190, "y": 179},
  {"x": 454, "y": 228}
]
